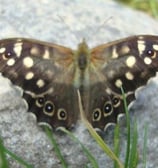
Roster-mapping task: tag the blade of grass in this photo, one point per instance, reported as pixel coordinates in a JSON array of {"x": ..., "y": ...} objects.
[
  {"x": 133, "y": 152},
  {"x": 103, "y": 145},
  {"x": 55, "y": 145},
  {"x": 154, "y": 7},
  {"x": 145, "y": 146},
  {"x": 15, "y": 157},
  {"x": 116, "y": 144},
  {"x": 128, "y": 129},
  {"x": 3, "y": 160},
  {"x": 94, "y": 134},
  {"x": 147, "y": 6},
  {"x": 85, "y": 150}
]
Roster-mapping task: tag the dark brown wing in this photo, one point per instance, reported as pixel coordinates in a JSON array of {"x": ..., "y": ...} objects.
[
  {"x": 129, "y": 63},
  {"x": 45, "y": 72}
]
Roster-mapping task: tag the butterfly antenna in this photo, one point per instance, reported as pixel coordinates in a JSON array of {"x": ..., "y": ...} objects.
[
  {"x": 69, "y": 27},
  {"x": 61, "y": 18},
  {"x": 102, "y": 25}
]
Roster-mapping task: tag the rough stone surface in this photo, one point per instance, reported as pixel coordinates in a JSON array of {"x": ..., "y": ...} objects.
[{"x": 67, "y": 22}]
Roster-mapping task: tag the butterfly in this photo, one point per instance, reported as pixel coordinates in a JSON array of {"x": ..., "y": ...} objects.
[{"x": 50, "y": 76}]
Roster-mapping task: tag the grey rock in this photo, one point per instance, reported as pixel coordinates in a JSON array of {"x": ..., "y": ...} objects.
[{"x": 67, "y": 23}]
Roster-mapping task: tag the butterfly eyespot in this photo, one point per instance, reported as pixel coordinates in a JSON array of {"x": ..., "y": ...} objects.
[
  {"x": 107, "y": 109},
  {"x": 49, "y": 108},
  {"x": 116, "y": 101},
  {"x": 151, "y": 53},
  {"x": 62, "y": 114},
  {"x": 40, "y": 101},
  {"x": 96, "y": 114},
  {"x": 7, "y": 55}
]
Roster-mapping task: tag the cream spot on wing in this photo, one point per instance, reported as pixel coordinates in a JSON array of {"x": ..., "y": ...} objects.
[
  {"x": 29, "y": 75},
  {"x": 2, "y": 50},
  {"x": 49, "y": 73},
  {"x": 141, "y": 46},
  {"x": 35, "y": 50},
  {"x": 155, "y": 47},
  {"x": 114, "y": 53},
  {"x": 13, "y": 74},
  {"x": 46, "y": 54},
  {"x": 147, "y": 60},
  {"x": 19, "y": 40},
  {"x": 118, "y": 83},
  {"x": 28, "y": 62},
  {"x": 130, "y": 61},
  {"x": 108, "y": 91},
  {"x": 125, "y": 49},
  {"x": 11, "y": 62},
  {"x": 40, "y": 83},
  {"x": 111, "y": 73},
  {"x": 18, "y": 48},
  {"x": 129, "y": 75},
  {"x": 141, "y": 37}
]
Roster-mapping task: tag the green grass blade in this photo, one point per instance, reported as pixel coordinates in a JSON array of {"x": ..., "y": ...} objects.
[
  {"x": 4, "y": 151},
  {"x": 145, "y": 147},
  {"x": 103, "y": 145},
  {"x": 55, "y": 145},
  {"x": 128, "y": 129},
  {"x": 3, "y": 160},
  {"x": 134, "y": 153},
  {"x": 85, "y": 150},
  {"x": 116, "y": 144},
  {"x": 17, "y": 158},
  {"x": 148, "y": 6},
  {"x": 85, "y": 166},
  {"x": 154, "y": 7},
  {"x": 98, "y": 139}
]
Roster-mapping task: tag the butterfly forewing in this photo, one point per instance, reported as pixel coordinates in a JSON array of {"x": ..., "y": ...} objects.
[{"x": 129, "y": 62}]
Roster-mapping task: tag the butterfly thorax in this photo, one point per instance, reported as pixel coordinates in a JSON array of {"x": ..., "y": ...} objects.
[{"x": 82, "y": 55}]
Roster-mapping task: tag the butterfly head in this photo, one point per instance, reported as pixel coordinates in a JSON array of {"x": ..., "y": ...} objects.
[{"x": 83, "y": 55}]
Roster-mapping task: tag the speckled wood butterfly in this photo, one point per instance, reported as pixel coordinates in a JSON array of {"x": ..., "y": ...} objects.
[{"x": 50, "y": 76}]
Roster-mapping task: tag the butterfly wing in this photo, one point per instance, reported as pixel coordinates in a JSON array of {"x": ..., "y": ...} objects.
[
  {"x": 45, "y": 72},
  {"x": 129, "y": 63},
  {"x": 48, "y": 75}
]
